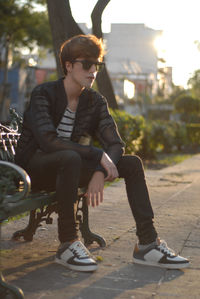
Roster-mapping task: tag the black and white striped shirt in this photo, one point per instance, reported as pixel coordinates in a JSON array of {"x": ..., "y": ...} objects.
[{"x": 66, "y": 125}]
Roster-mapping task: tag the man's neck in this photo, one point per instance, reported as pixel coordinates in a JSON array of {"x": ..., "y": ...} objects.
[{"x": 73, "y": 92}]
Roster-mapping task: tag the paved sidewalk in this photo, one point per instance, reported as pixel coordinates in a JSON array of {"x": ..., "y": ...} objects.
[{"x": 175, "y": 195}]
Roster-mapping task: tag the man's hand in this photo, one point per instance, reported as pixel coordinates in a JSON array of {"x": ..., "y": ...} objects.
[
  {"x": 107, "y": 163},
  {"x": 95, "y": 189}
]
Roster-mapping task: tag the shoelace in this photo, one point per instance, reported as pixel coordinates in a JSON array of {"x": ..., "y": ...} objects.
[
  {"x": 164, "y": 248},
  {"x": 80, "y": 251}
]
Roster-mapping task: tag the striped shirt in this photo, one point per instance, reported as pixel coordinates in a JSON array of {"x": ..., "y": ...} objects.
[{"x": 66, "y": 124}]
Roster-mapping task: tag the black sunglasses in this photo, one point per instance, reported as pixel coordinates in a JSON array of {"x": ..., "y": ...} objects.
[{"x": 88, "y": 63}]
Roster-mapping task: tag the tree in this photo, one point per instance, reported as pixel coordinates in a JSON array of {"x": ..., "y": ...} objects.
[
  {"x": 194, "y": 84},
  {"x": 63, "y": 26},
  {"x": 20, "y": 26},
  {"x": 188, "y": 107},
  {"x": 103, "y": 79},
  {"x": 176, "y": 92}
]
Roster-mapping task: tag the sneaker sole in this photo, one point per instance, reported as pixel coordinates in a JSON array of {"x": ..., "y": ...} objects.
[
  {"x": 88, "y": 268},
  {"x": 167, "y": 266}
]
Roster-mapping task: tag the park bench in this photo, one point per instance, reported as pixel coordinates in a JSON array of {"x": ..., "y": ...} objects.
[{"x": 16, "y": 198}]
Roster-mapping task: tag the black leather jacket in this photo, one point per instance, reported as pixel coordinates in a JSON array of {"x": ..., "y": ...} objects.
[{"x": 41, "y": 118}]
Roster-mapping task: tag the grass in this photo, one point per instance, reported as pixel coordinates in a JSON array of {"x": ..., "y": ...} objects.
[
  {"x": 110, "y": 183},
  {"x": 5, "y": 252},
  {"x": 15, "y": 218},
  {"x": 165, "y": 160}
]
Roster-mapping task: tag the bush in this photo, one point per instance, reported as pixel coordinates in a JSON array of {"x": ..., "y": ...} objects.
[
  {"x": 180, "y": 135},
  {"x": 193, "y": 135},
  {"x": 188, "y": 107},
  {"x": 147, "y": 149},
  {"x": 158, "y": 137},
  {"x": 148, "y": 138},
  {"x": 187, "y": 104},
  {"x": 9, "y": 181},
  {"x": 130, "y": 128},
  {"x": 145, "y": 138},
  {"x": 168, "y": 137}
]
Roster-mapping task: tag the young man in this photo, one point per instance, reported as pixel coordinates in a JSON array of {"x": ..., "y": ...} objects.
[{"x": 55, "y": 149}]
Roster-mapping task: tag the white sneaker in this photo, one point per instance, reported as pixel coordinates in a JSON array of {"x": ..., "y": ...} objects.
[
  {"x": 159, "y": 255},
  {"x": 75, "y": 256}
]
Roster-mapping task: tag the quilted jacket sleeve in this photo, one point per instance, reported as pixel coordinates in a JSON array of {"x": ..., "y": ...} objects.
[{"x": 108, "y": 135}]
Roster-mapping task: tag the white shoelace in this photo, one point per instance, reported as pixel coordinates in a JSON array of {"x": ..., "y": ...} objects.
[
  {"x": 164, "y": 248},
  {"x": 80, "y": 251}
]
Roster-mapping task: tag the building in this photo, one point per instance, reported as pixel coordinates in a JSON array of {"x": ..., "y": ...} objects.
[{"x": 132, "y": 56}]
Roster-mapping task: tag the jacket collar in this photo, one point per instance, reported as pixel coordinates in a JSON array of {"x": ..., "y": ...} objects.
[{"x": 84, "y": 99}]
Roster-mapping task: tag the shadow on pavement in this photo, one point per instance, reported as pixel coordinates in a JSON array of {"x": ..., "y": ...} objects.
[{"x": 60, "y": 282}]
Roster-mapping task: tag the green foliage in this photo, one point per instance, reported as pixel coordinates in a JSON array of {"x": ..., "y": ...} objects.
[
  {"x": 176, "y": 92},
  {"x": 164, "y": 160},
  {"x": 130, "y": 128},
  {"x": 180, "y": 135},
  {"x": 169, "y": 137},
  {"x": 193, "y": 135},
  {"x": 9, "y": 180},
  {"x": 52, "y": 77},
  {"x": 158, "y": 137},
  {"x": 188, "y": 107},
  {"x": 172, "y": 159},
  {"x": 187, "y": 104},
  {"x": 20, "y": 25},
  {"x": 150, "y": 138},
  {"x": 42, "y": 2},
  {"x": 159, "y": 114},
  {"x": 194, "y": 83}
]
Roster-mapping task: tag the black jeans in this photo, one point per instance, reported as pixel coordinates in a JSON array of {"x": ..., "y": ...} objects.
[{"x": 65, "y": 171}]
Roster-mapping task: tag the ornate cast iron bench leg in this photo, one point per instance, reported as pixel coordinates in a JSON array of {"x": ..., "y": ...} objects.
[
  {"x": 8, "y": 290},
  {"x": 35, "y": 219},
  {"x": 82, "y": 216},
  {"x": 28, "y": 232}
]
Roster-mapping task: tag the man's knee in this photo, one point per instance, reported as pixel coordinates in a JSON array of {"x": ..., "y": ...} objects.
[
  {"x": 130, "y": 161},
  {"x": 136, "y": 161},
  {"x": 129, "y": 164}
]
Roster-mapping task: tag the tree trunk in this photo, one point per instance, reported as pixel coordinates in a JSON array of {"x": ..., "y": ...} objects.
[
  {"x": 4, "y": 90},
  {"x": 63, "y": 26},
  {"x": 106, "y": 89},
  {"x": 103, "y": 79},
  {"x": 96, "y": 17}
]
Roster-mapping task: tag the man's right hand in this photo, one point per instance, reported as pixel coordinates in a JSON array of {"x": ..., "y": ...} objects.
[{"x": 107, "y": 163}]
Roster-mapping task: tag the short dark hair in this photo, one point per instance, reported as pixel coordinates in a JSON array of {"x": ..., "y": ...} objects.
[{"x": 85, "y": 46}]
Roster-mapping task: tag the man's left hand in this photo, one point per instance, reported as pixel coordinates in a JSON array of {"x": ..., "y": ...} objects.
[{"x": 95, "y": 189}]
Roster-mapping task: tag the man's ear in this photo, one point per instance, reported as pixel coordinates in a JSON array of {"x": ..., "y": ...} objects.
[{"x": 68, "y": 66}]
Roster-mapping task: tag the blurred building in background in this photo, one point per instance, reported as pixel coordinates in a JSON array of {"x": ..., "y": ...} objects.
[{"x": 132, "y": 61}]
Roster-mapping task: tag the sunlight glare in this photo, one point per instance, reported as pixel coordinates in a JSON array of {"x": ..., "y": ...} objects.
[
  {"x": 160, "y": 45},
  {"x": 129, "y": 89}
]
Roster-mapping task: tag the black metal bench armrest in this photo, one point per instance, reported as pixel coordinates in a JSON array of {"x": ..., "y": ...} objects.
[{"x": 26, "y": 185}]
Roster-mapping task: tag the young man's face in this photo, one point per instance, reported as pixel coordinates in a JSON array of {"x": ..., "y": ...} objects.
[{"x": 83, "y": 71}]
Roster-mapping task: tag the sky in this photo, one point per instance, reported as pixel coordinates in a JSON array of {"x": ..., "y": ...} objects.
[{"x": 178, "y": 19}]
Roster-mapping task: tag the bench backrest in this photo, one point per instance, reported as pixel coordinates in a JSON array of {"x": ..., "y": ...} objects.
[{"x": 9, "y": 137}]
